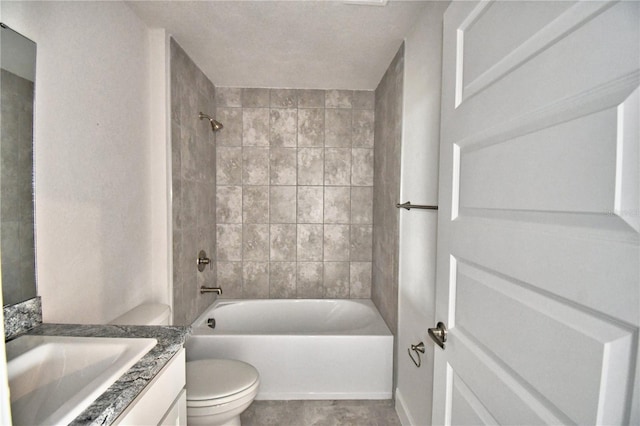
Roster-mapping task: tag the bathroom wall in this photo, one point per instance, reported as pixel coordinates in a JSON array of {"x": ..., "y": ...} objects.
[
  {"x": 16, "y": 193},
  {"x": 92, "y": 158},
  {"x": 388, "y": 139},
  {"x": 193, "y": 170},
  {"x": 419, "y": 183},
  {"x": 294, "y": 193}
]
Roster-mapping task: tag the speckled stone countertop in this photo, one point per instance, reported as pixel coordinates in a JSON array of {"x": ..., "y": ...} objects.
[{"x": 106, "y": 409}]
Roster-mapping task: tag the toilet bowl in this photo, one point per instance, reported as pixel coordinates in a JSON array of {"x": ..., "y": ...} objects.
[{"x": 218, "y": 390}]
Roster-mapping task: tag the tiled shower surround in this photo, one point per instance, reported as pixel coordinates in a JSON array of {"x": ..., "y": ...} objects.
[
  {"x": 294, "y": 193},
  {"x": 388, "y": 132},
  {"x": 193, "y": 185}
]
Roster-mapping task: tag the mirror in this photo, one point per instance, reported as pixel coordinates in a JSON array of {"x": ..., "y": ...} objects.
[{"x": 17, "y": 236}]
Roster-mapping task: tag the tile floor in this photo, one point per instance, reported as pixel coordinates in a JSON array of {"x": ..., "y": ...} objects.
[{"x": 321, "y": 413}]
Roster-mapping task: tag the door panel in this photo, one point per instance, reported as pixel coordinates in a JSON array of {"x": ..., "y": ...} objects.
[
  {"x": 579, "y": 176},
  {"x": 484, "y": 47},
  {"x": 503, "y": 394},
  {"x": 538, "y": 234},
  {"x": 534, "y": 254},
  {"x": 495, "y": 310},
  {"x": 469, "y": 410}
]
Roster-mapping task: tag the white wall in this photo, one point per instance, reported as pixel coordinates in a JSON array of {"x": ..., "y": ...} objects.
[
  {"x": 93, "y": 158},
  {"x": 419, "y": 184}
]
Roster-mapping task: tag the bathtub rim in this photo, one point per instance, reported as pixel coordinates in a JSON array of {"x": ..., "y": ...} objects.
[{"x": 378, "y": 327}]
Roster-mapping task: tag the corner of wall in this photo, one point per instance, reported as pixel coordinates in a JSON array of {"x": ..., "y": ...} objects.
[
  {"x": 417, "y": 235},
  {"x": 160, "y": 166}
]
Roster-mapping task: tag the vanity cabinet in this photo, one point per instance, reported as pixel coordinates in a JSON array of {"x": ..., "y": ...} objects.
[{"x": 163, "y": 401}]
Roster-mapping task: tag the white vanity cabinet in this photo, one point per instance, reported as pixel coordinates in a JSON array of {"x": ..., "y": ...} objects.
[{"x": 163, "y": 401}]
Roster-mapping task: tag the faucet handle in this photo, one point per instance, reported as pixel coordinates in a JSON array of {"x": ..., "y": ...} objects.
[{"x": 203, "y": 260}]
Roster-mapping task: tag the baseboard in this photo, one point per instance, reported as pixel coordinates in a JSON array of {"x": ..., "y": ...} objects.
[
  {"x": 291, "y": 396},
  {"x": 403, "y": 413}
]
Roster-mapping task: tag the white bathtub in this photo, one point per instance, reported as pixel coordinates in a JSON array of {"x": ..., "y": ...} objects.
[{"x": 303, "y": 349}]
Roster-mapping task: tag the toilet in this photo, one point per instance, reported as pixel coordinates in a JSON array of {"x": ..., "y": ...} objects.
[{"x": 218, "y": 390}]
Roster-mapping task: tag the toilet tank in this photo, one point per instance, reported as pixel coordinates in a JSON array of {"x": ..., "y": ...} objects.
[{"x": 145, "y": 314}]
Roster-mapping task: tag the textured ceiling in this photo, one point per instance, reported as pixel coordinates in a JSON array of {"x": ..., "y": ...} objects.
[{"x": 296, "y": 44}]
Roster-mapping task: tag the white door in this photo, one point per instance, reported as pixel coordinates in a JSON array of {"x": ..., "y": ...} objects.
[{"x": 538, "y": 236}]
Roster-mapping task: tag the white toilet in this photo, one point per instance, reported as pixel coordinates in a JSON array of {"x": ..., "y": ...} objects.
[{"x": 218, "y": 390}]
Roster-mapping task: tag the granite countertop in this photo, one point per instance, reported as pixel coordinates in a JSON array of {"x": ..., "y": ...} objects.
[{"x": 108, "y": 406}]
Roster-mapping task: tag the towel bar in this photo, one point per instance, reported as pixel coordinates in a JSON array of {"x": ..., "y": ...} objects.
[{"x": 410, "y": 206}]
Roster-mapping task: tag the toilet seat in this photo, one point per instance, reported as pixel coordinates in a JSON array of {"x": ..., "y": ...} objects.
[{"x": 213, "y": 382}]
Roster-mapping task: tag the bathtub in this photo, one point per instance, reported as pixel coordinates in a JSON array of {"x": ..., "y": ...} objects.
[{"x": 303, "y": 348}]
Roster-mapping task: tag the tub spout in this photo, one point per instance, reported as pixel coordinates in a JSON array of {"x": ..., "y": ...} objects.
[{"x": 205, "y": 289}]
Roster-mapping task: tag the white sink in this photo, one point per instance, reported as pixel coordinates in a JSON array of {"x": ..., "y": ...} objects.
[{"x": 52, "y": 379}]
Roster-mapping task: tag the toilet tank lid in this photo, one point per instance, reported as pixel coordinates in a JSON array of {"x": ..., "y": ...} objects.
[{"x": 145, "y": 314}]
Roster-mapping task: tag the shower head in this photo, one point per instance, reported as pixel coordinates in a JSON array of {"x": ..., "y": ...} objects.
[{"x": 215, "y": 125}]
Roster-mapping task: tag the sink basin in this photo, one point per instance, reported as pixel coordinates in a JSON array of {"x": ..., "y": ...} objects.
[{"x": 52, "y": 379}]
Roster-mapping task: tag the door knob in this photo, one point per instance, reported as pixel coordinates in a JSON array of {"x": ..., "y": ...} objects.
[{"x": 439, "y": 334}]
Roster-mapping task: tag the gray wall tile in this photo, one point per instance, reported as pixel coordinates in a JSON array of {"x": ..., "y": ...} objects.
[
  {"x": 310, "y": 166},
  {"x": 282, "y": 280},
  {"x": 178, "y": 212},
  {"x": 229, "y": 96},
  {"x": 364, "y": 99},
  {"x": 362, "y": 167},
  {"x": 337, "y": 166},
  {"x": 176, "y": 151},
  {"x": 255, "y": 166},
  {"x": 231, "y": 133},
  {"x": 229, "y": 242},
  {"x": 338, "y": 99},
  {"x": 255, "y": 242},
  {"x": 229, "y": 204},
  {"x": 283, "y": 242},
  {"x": 311, "y": 127},
  {"x": 362, "y": 204},
  {"x": 282, "y": 207},
  {"x": 252, "y": 98},
  {"x": 255, "y": 277},
  {"x": 229, "y": 278},
  {"x": 360, "y": 280},
  {"x": 294, "y": 204},
  {"x": 361, "y": 243},
  {"x": 229, "y": 166},
  {"x": 283, "y": 167},
  {"x": 388, "y": 137},
  {"x": 309, "y": 280},
  {"x": 190, "y": 148},
  {"x": 310, "y": 204},
  {"x": 309, "y": 242},
  {"x": 336, "y": 242},
  {"x": 337, "y": 204},
  {"x": 310, "y": 98},
  {"x": 283, "y": 98},
  {"x": 255, "y": 204},
  {"x": 336, "y": 280},
  {"x": 363, "y": 122},
  {"x": 255, "y": 126},
  {"x": 337, "y": 128},
  {"x": 204, "y": 198},
  {"x": 196, "y": 170},
  {"x": 284, "y": 127}
]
